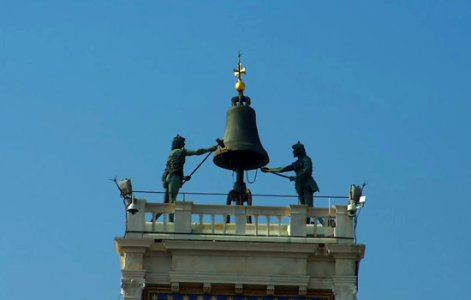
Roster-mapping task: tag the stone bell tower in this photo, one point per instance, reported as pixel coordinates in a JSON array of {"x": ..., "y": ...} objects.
[{"x": 238, "y": 252}]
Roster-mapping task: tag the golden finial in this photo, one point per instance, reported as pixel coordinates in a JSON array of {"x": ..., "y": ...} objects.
[{"x": 240, "y": 85}]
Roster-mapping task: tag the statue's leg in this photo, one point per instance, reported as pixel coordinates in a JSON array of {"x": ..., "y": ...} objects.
[
  {"x": 310, "y": 202},
  {"x": 300, "y": 199},
  {"x": 308, "y": 199},
  {"x": 166, "y": 198},
  {"x": 174, "y": 184}
]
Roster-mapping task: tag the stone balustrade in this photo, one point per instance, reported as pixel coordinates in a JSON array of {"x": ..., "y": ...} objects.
[{"x": 245, "y": 221}]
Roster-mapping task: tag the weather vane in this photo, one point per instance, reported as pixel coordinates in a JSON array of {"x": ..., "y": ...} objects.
[{"x": 240, "y": 85}]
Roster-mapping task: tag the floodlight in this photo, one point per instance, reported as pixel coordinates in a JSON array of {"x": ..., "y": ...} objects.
[
  {"x": 125, "y": 187},
  {"x": 355, "y": 193},
  {"x": 355, "y": 199}
]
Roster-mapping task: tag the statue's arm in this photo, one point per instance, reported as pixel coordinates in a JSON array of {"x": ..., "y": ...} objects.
[
  {"x": 278, "y": 170},
  {"x": 200, "y": 151}
]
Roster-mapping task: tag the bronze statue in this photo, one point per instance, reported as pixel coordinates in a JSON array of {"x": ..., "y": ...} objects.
[
  {"x": 173, "y": 176},
  {"x": 305, "y": 184}
]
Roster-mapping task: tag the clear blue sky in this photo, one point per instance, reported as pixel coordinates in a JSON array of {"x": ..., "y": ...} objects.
[{"x": 376, "y": 90}]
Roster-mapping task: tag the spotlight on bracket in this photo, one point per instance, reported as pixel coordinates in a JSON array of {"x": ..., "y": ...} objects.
[
  {"x": 125, "y": 189},
  {"x": 356, "y": 199}
]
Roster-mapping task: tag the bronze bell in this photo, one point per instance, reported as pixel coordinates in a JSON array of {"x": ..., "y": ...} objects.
[{"x": 243, "y": 149}]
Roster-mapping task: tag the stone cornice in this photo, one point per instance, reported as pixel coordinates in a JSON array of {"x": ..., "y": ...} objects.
[
  {"x": 132, "y": 245},
  {"x": 346, "y": 251},
  {"x": 238, "y": 238},
  {"x": 194, "y": 246}
]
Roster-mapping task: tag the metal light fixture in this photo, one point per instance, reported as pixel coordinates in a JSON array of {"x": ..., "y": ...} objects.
[
  {"x": 125, "y": 189},
  {"x": 132, "y": 207},
  {"x": 356, "y": 199}
]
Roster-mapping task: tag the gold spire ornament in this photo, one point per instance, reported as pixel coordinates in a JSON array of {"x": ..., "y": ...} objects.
[{"x": 240, "y": 85}]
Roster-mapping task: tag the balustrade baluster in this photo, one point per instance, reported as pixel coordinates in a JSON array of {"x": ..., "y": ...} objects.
[
  {"x": 223, "y": 223},
  {"x": 201, "y": 223},
  {"x": 256, "y": 224},
  {"x": 165, "y": 216},
  {"x": 154, "y": 217},
  {"x": 279, "y": 225},
  {"x": 268, "y": 224},
  {"x": 213, "y": 225}
]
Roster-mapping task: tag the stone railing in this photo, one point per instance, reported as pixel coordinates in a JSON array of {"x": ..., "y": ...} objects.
[{"x": 228, "y": 220}]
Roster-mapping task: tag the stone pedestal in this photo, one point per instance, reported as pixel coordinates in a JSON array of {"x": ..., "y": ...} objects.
[
  {"x": 297, "y": 225},
  {"x": 183, "y": 216}
]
